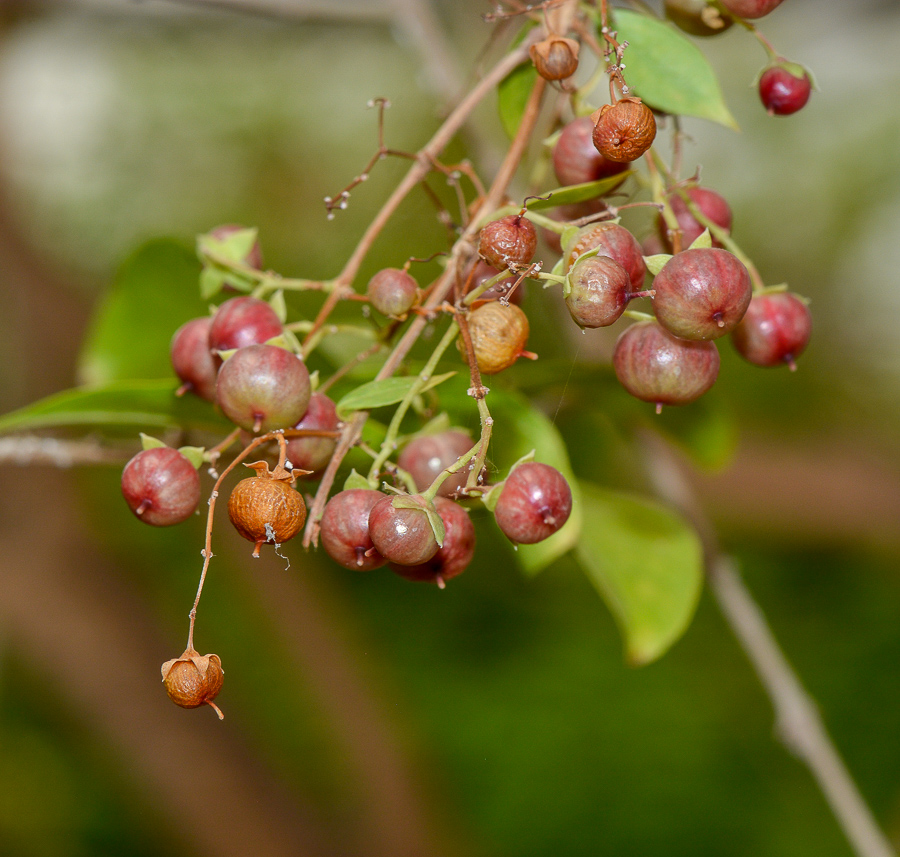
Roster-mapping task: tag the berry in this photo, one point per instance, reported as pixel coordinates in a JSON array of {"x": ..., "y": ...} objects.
[
  {"x": 254, "y": 257},
  {"x": 576, "y": 159},
  {"x": 161, "y": 486},
  {"x": 243, "y": 321},
  {"x": 750, "y": 8},
  {"x": 426, "y": 457},
  {"x": 263, "y": 387},
  {"x": 655, "y": 366},
  {"x": 784, "y": 88},
  {"x": 194, "y": 679},
  {"x": 265, "y": 508},
  {"x": 774, "y": 331},
  {"x": 612, "y": 240},
  {"x": 697, "y": 17},
  {"x": 400, "y": 534},
  {"x": 456, "y": 553},
  {"x": 191, "y": 360},
  {"x": 499, "y": 334},
  {"x": 702, "y": 293},
  {"x": 534, "y": 503},
  {"x": 314, "y": 453},
  {"x": 345, "y": 529},
  {"x": 599, "y": 290},
  {"x": 392, "y": 291},
  {"x": 710, "y": 203},
  {"x": 509, "y": 242},
  {"x": 555, "y": 58},
  {"x": 501, "y": 289},
  {"x": 625, "y": 130}
]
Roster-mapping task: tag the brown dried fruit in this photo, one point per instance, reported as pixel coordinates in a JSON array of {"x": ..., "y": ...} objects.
[
  {"x": 508, "y": 242},
  {"x": 555, "y": 58},
  {"x": 194, "y": 679},
  {"x": 625, "y": 130},
  {"x": 499, "y": 334}
]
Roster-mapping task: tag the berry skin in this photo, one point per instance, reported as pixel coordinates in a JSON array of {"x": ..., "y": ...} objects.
[
  {"x": 425, "y": 457},
  {"x": 402, "y": 535},
  {"x": 784, "y": 88},
  {"x": 392, "y": 291},
  {"x": 499, "y": 334},
  {"x": 624, "y": 131},
  {"x": 456, "y": 553},
  {"x": 555, "y": 58},
  {"x": 702, "y": 293},
  {"x": 345, "y": 529},
  {"x": 612, "y": 240},
  {"x": 265, "y": 508},
  {"x": 191, "y": 360},
  {"x": 697, "y": 17},
  {"x": 656, "y": 367},
  {"x": 509, "y": 242},
  {"x": 600, "y": 290},
  {"x": 161, "y": 486},
  {"x": 314, "y": 453},
  {"x": 243, "y": 321},
  {"x": 534, "y": 503},
  {"x": 263, "y": 387},
  {"x": 750, "y": 8},
  {"x": 774, "y": 331},
  {"x": 194, "y": 680},
  {"x": 481, "y": 272},
  {"x": 576, "y": 159},
  {"x": 710, "y": 203}
]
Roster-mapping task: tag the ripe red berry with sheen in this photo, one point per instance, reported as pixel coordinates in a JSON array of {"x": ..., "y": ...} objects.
[
  {"x": 314, "y": 453},
  {"x": 534, "y": 503},
  {"x": 599, "y": 291},
  {"x": 775, "y": 330},
  {"x": 392, "y": 291},
  {"x": 508, "y": 242},
  {"x": 402, "y": 535},
  {"x": 710, "y": 204},
  {"x": 609, "y": 239},
  {"x": 784, "y": 88},
  {"x": 750, "y": 8},
  {"x": 263, "y": 387},
  {"x": 243, "y": 321},
  {"x": 345, "y": 529},
  {"x": 161, "y": 486},
  {"x": 655, "y": 366},
  {"x": 576, "y": 159},
  {"x": 456, "y": 553},
  {"x": 191, "y": 359},
  {"x": 702, "y": 293},
  {"x": 426, "y": 457}
]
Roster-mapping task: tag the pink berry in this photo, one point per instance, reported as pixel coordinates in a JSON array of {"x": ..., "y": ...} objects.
[
  {"x": 426, "y": 457},
  {"x": 402, "y": 535},
  {"x": 784, "y": 88},
  {"x": 243, "y": 321},
  {"x": 191, "y": 359},
  {"x": 534, "y": 503},
  {"x": 314, "y": 453},
  {"x": 345, "y": 529},
  {"x": 775, "y": 330},
  {"x": 161, "y": 486}
]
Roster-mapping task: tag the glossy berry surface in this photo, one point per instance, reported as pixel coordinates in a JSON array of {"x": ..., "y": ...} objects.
[
  {"x": 454, "y": 556},
  {"x": 191, "y": 359},
  {"x": 345, "y": 529},
  {"x": 161, "y": 486},
  {"x": 656, "y": 367},
  {"x": 711, "y": 204},
  {"x": 599, "y": 291},
  {"x": 575, "y": 157},
  {"x": 499, "y": 334},
  {"x": 702, "y": 293},
  {"x": 314, "y": 453},
  {"x": 624, "y": 130},
  {"x": 508, "y": 242},
  {"x": 534, "y": 503},
  {"x": 775, "y": 330},
  {"x": 243, "y": 321},
  {"x": 402, "y": 535},
  {"x": 750, "y": 8},
  {"x": 425, "y": 457},
  {"x": 266, "y": 510},
  {"x": 263, "y": 387},
  {"x": 784, "y": 88},
  {"x": 392, "y": 291},
  {"x": 609, "y": 239}
]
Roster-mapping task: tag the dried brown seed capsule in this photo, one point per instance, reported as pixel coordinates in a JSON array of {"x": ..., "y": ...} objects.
[
  {"x": 194, "y": 679},
  {"x": 508, "y": 242},
  {"x": 624, "y": 130},
  {"x": 555, "y": 58},
  {"x": 499, "y": 334},
  {"x": 266, "y": 508}
]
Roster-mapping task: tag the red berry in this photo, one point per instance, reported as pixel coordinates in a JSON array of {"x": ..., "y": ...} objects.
[
  {"x": 426, "y": 457},
  {"x": 392, "y": 291},
  {"x": 243, "y": 321},
  {"x": 710, "y": 203},
  {"x": 750, "y": 8},
  {"x": 191, "y": 359},
  {"x": 456, "y": 553},
  {"x": 655, "y": 366},
  {"x": 784, "y": 88},
  {"x": 600, "y": 290},
  {"x": 576, "y": 159},
  {"x": 314, "y": 453},
  {"x": 402, "y": 535},
  {"x": 775, "y": 330},
  {"x": 161, "y": 486},
  {"x": 534, "y": 503},
  {"x": 702, "y": 293},
  {"x": 345, "y": 529},
  {"x": 609, "y": 239},
  {"x": 508, "y": 242}
]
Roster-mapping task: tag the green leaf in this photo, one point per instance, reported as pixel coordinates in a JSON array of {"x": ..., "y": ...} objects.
[
  {"x": 576, "y": 192},
  {"x": 646, "y": 562},
  {"x": 130, "y": 404},
  {"x": 211, "y": 282},
  {"x": 657, "y": 262},
  {"x": 154, "y": 292},
  {"x": 668, "y": 71},
  {"x": 390, "y": 391},
  {"x": 512, "y": 96},
  {"x": 355, "y": 480}
]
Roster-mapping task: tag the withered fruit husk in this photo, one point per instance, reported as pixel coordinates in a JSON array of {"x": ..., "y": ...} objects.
[
  {"x": 193, "y": 679},
  {"x": 555, "y": 58},
  {"x": 498, "y": 334},
  {"x": 625, "y": 130}
]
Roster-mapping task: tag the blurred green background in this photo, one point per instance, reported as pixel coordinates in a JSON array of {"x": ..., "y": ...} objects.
[{"x": 367, "y": 715}]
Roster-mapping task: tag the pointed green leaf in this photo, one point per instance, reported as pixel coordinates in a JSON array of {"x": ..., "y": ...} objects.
[
  {"x": 656, "y": 263},
  {"x": 668, "y": 71},
  {"x": 150, "y": 442},
  {"x": 512, "y": 96},
  {"x": 646, "y": 562},
  {"x": 356, "y": 480},
  {"x": 576, "y": 192},
  {"x": 390, "y": 391},
  {"x": 211, "y": 282}
]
